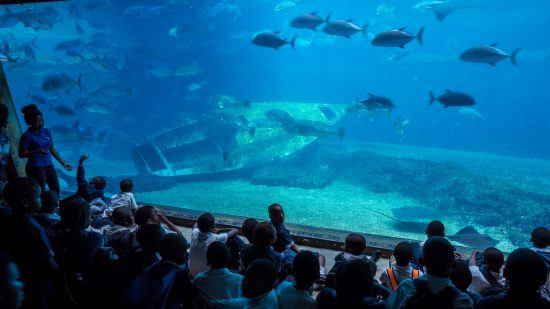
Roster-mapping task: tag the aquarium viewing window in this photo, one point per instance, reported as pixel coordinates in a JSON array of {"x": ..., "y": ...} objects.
[{"x": 228, "y": 106}]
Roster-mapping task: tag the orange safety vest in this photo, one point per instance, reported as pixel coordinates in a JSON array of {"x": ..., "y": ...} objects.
[{"x": 393, "y": 279}]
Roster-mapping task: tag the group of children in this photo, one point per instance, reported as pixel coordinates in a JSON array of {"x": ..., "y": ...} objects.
[{"x": 87, "y": 251}]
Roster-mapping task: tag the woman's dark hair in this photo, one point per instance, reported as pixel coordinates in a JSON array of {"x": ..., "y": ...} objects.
[
  {"x": 30, "y": 112},
  {"x": 75, "y": 214},
  {"x": 4, "y": 114}
]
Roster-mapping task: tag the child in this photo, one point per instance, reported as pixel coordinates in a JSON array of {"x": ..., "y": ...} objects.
[
  {"x": 202, "y": 235},
  {"x": 258, "y": 284},
  {"x": 236, "y": 244},
  {"x": 261, "y": 246},
  {"x": 89, "y": 190},
  {"x": 461, "y": 277},
  {"x": 50, "y": 205},
  {"x": 119, "y": 235},
  {"x": 125, "y": 198},
  {"x": 151, "y": 215},
  {"x": 488, "y": 279},
  {"x": 395, "y": 274},
  {"x": 305, "y": 270},
  {"x": 540, "y": 237}
]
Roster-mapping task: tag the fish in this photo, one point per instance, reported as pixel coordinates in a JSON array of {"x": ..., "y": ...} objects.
[
  {"x": 397, "y": 38},
  {"x": 313, "y": 128},
  {"x": 376, "y": 103},
  {"x": 489, "y": 54},
  {"x": 62, "y": 81},
  {"x": 100, "y": 108},
  {"x": 471, "y": 112},
  {"x": 227, "y": 102},
  {"x": 272, "y": 40},
  {"x": 410, "y": 213},
  {"x": 63, "y": 110},
  {"x": 111, "y": 91},
  {"x": 307, "y": 21},
  {"x": 100, "y": 63},
  {"x": 343, "y": 28},
  {"x": 28, "y": 49},
  {"x": 285, "y": 6},
  {"x": 280, "y": 116},
  {"x": 327, "y": 111},
  {"x": 451, "y": 98},
  {"x": 470, "y": 237},
  {"x": 61, "y": 133},
  {"x": 160, "y": 72},
  {"x": 40, "y": 99},
  {"x": 69, "y": 44},
  {"x": 188, "y": 70},
  {"x": 73, "y": 53},
  {"x": 195, "y": 87},
  {"x": 399, "y": 126},
  {"x": 399, "y": 56}
]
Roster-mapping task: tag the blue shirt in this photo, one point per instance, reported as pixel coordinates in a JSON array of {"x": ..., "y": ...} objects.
[
  {"x": 215, "y": 284},
  {"x": 284, "y": 239},
  {"x": 264, "y": 301},
  {"x": 406, "y": 290},
  {"x": 290, "y": 297},
  {"x": 31, "y": 141}
]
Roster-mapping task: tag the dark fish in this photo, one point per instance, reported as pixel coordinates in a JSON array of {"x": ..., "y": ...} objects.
[
  {"x": 73, "y": 53},
  {"x": 343, "y": 28},
  {"x": 280, "y": 116},
  {"x": 313, "y": 128},
  {"x": 442, "y": 10},
  {"x": 61, "y": 82},
  {"x": 410, "y": 226},
  {"x": 487, "y": 54},
  {"x": 397, "y": 38},
  {"x": 272, "y": 40},
  {"x": 415, "y": 213},
  {"x": 63, "y": 110},
  {"x": 451, "y": 98},
  {"x": 307, "y": 21},
  {"x": 69, "y": 44},
  {"x": 327, "y": 111},
  {"x": 470, "y": 237},
  {"x": 61, "y": 133},
  {"x": 111, "y": 91},
  {"x": 376, "y": 103},
  {"x": 40, "y": 99},
  {"x": 28, "y": 49}
]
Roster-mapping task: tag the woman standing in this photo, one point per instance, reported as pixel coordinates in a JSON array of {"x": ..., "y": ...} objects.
[{"x": 36, "y": 144}]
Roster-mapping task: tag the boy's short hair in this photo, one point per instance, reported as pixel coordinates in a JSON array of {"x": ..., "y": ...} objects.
[
  {"x": 173, "y": 248},
  {"x": 206, "y": 222},
  {"x": 540, "y": 237},
  {"x": 122, "y": 216},
  {"x": 217, "y": 255},
  {"x": 75, "y": 214},
  {"x": 271, "y": 209},
  {"x": 248, "y": 227},
  {"x": 493, "y": 257},
  {"x": 305, "y": 269},
  {"x": 100, "y": 182},
  {"x": 403, "y": 253},
  {"x": 460, "y": 275},
  {"x": 435, "y": 228},
  {"x": 50, "y": 201},
  {"x": 438, "y": 254},
  {"x": 525, "y": 270},
  {"x": 149, "y": 236},
  {"x": 143, "y": 214},
  {"x": 264, "y": 234},
  {"x": 19, "y": 190},
  {"x": 260, "y": 278},
  {"x": 126, "y": 185},
  {"x": 355, "y": 244}
]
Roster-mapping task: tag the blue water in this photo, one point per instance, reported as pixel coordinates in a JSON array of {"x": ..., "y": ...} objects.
[{"x": 214, "y": 41}]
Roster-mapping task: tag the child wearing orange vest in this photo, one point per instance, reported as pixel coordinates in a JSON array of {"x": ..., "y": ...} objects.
[{"x": 401, "y": 270}]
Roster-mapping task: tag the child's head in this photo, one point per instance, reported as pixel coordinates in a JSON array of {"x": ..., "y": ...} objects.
[
  {"x": 276, "y": 213},
  {"x": 305, "y": 269},
  {"x": 264, "y": 234},
  {"x": 173, "y": 248},
  {"x": 122, "y": 216},
  {"x": 540, "y": 237},
  {"x": 146, "y": 215},
  {"x": 460, "y": 275},
  {"x": 435, "y": 228},
  {"x": 75, "y": 214},
  {"x": 353, "y": 281},
  {"x": 99, "y": 183},
  {"x": 21, "y": 195},
  {"x": 149, "y": 236},
  {"x": 260, "y": 278},
  {"x": 126, "y": 185},
  {"x": 438, "y": 256},
  {"x": 248, "y": 228},
  {"x": 217, "y": 255},
  {"x": 50, "y": 202},
  {"x": 355, "y": 244},
  {"x": 403, "y": 253},
  {"x": 494, "y": 259},
  {"x": 525, "y": 271},
  {"x": 206, "y": 222}
]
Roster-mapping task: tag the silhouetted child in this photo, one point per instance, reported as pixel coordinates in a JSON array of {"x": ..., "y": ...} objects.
[
  {"x": 461, "y": 277},
  {"x": 236, "y": 244},
  {"x": 151, "y": 215},
  {"x": 119, "y": 235},
  {"x": 261, "y": 247},
  {"x": 402, "y": 269},
  {"x": 488, "y": 279},
  {"x": 89, "y": 190},
  {"x": 125, "y": 198},
  {"x": 202, "y": 235},
  {"x": 305, "y": 271},
  {"x": 540, "y": 237},
  {"x": 258, "y": 284}
]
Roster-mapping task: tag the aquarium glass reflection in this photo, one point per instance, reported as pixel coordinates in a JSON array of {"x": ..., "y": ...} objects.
[{"x": 368, "y": 116}]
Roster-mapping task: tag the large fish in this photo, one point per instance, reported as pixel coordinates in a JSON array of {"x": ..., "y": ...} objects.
[
  {"x": 376, "y": 103},
  {"x": 313, "y": 128},
  {"x": 397, "y": 38},
  {"x": 307, "y": 21},
  {"x": 280, "y": 116},
  {"x": 63, "y": 110},
  {"x": 272, "y": 40},
  {"x": 451, "y": 98},
  {"x": 343, "y": 28},
  {"x": 470, "y": 237},
  {"x": 111, "y": 91},
  {"x": 62, "y": 81},
  {"x": 489, "y": 54}
]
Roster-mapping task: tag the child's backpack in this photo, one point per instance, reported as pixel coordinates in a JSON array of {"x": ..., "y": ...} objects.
[{"x": 424, "y": 298}]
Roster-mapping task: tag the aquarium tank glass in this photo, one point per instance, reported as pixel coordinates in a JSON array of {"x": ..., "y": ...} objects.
[{"x": 367, "y": 116}]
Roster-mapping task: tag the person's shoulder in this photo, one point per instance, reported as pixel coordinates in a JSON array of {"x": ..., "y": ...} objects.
[
  {"x": 283, "y": 286},
  {"x": 493, "y": 301}
]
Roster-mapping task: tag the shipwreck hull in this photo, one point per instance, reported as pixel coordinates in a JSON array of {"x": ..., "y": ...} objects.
[{"x": 211, "y": 145}]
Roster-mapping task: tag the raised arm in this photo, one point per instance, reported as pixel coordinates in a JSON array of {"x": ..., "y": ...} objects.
[
  {"x": 81, "y": 174},
  {"x": 56, "y": 155}
]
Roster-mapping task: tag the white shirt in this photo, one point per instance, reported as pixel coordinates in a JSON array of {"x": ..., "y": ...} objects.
[
  {"x": 123, "y": 199},
  {"x": 197, "y": 251},
  {"x": 480, "y": 284}
]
